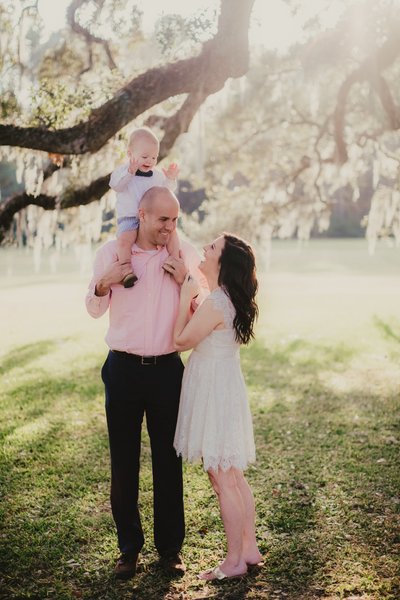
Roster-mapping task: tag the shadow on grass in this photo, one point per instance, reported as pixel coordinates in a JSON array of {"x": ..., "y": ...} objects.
[
  {"x": 55, "y": 483},
  {"x": 152, "y": 584},
  {"x": 317, "y": 480},
  {"x": 23, "y": 355},
  {"x": 276, "y": 367},
  {"x": 38, "y": 398},
  {"x": 320, "y": 457}
]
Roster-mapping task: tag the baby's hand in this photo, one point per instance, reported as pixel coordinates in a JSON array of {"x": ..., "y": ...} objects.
[
  {"x": 172, "y": 171},
  {"x": 133, "y": 165}
]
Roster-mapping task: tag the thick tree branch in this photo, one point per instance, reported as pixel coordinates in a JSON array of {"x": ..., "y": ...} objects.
[
  {"x": 14, "y": 204},
  {"x": 224, "y": 56},
  {"x": 172, "y": 126},
  {"x": 68, "y": 199},
  {"x": 370, "y": 69}
]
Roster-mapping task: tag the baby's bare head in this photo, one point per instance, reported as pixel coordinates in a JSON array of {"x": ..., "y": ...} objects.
[
  {"x": 144, "y": 146},
  {"x": 140, "y": 135}
]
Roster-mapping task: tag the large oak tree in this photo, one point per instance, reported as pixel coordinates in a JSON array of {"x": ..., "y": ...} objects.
[
  {"x": 305, "y": 130},
  {"x": 223, "y": 56}
]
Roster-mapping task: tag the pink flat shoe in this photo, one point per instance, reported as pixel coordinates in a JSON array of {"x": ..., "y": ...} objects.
[{"x": 218, "y": 574}]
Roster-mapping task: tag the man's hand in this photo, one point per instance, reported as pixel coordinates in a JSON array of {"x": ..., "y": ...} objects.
[
  {"x": 172, "y": 171},
  {"x": 114, "y": 274},
  {"x": 177, "y": 268}
]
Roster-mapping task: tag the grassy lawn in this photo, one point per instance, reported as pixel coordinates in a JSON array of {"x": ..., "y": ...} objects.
[{"x": 323, "y": 379}]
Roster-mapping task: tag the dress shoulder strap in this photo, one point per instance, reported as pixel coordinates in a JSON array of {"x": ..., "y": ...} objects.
[{"x": 222, "y": 302}]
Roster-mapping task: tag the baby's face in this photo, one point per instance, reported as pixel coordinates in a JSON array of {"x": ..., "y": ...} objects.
[{"x": 146, "y": 152}]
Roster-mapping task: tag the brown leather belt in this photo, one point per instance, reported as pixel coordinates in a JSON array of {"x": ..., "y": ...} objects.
[{"x": 146, "y": 360}]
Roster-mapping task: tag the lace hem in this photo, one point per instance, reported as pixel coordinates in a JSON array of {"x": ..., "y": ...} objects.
[{"x": 215, "y": 463}]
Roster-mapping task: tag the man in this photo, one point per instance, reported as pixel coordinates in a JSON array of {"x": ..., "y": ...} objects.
[{"x": 142, "y": 375}]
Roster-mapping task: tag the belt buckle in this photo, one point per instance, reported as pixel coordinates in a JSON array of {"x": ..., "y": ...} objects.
[{"x": 148, "y": 360}]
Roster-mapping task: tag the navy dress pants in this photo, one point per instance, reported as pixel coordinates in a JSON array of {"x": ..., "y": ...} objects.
[{"x": 133, "y": 390}]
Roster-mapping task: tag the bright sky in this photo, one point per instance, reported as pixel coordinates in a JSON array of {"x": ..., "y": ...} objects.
[{"x": 273, "y": 25}]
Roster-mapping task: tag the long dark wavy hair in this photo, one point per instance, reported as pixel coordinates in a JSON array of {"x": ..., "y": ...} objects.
[{"x": 237, "y": 277}]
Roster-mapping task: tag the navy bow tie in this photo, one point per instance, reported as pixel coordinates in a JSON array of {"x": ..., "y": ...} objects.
[{"x": 140, "y": 173}]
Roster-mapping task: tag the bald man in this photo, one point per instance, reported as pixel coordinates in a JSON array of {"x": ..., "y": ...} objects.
[{"x": 142, "y": 376}]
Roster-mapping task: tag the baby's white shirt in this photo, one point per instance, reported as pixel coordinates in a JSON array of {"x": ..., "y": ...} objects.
[{"x": 130, "y": 188}]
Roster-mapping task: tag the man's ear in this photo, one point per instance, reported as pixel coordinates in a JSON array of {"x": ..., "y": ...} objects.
[{"x": 141, "y": 213}]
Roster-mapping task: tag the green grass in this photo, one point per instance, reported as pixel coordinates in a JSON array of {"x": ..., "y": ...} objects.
[{"x": 323, "y": 380}]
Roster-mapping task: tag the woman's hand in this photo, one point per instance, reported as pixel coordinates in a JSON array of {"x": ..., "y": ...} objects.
[{"x": 190, "y": 287}]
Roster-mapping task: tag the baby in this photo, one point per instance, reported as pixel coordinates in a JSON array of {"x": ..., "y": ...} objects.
[{"x": 130, "y": 182}]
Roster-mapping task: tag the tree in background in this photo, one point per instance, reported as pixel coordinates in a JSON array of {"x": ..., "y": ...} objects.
[
  {"x": 80, "y": 102},
  {"x": 311, "y": 129},
  {"x": 303, "y": 130}
]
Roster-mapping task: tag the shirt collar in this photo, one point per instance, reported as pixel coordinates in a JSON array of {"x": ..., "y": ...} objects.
[{"x": 137, "y": 250}]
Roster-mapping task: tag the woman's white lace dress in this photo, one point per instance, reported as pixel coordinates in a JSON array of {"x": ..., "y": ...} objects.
[{"x": 214, "y": 421}]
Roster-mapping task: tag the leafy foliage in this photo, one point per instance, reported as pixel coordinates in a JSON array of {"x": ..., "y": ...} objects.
[
  {"x": 178, "y": 36},
  {"x": 272, "y": 164},
  {"x": 309, "y": 132},
  {"x": 54, "y": 104}
]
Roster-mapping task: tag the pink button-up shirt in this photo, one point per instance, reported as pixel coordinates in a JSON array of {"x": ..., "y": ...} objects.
[{"x": 141, "y": 318}]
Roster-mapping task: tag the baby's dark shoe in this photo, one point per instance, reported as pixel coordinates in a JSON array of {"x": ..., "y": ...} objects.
[{"x": 129, "y": 280}]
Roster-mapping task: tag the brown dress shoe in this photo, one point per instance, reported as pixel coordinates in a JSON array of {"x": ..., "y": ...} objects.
[
  {"x": 126, "y": 566},
  {"x": 172, "y": 564}
]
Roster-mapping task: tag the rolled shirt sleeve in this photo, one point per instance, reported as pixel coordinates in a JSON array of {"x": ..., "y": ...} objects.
[{"x": 98, "y": 305}]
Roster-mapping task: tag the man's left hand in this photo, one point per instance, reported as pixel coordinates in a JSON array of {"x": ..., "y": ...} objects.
[{"x": 177, "y": 268}]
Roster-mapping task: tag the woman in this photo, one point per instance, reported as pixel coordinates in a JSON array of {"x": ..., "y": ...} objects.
[{"x": 214, "y": 421}]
